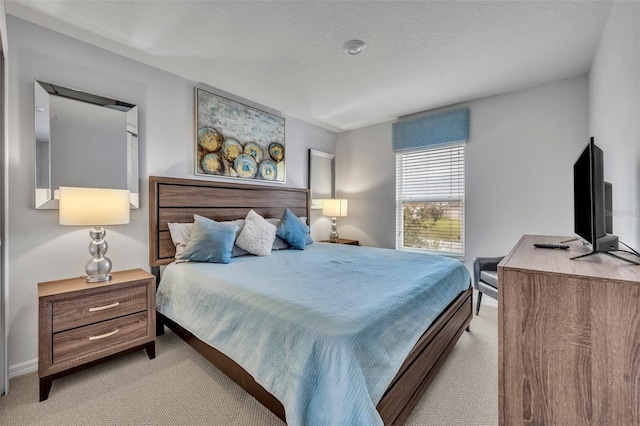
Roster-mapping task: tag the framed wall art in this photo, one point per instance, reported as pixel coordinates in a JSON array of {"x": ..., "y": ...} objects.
[{"x": 237, "y": 140}]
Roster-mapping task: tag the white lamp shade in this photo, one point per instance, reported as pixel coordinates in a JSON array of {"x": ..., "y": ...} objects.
[
  {"x": 93, "y": 206},
  {"x": 334, "y": 208}
]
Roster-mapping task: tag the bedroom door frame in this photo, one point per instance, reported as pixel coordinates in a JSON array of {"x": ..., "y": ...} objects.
[{"x": 4, "y": 306}]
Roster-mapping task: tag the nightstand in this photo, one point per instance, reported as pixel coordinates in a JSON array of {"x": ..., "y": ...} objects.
[
  {"x": 81, "y": 324},
  {"x": 343, "y": 241}
]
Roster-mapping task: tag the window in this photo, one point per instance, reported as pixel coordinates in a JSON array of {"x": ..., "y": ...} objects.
[{"x": 430, "y": 200}]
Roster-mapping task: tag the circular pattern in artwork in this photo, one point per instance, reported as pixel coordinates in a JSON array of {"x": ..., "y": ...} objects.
[
  {"x": 276, "y": 151},
  {"x": 267, "y": 170},
  {"x": 245, "y": 166},
  {"x": 210, "y": 139},
  {"x": 254, "y": 150},
  {"x": 231, "y": 148},
  {"x": 212, "y": 164}
]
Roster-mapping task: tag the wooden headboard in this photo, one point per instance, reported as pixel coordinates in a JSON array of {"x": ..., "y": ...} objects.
[{"x": 176, "y": 200}]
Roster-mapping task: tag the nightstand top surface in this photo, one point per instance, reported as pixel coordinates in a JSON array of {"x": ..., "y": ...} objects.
[
  {"x": 343, "y": 241},
  {"x": 80, "y": 283}
]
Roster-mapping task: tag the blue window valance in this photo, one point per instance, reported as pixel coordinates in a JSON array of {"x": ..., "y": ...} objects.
[{"x": 431, "y": 130}]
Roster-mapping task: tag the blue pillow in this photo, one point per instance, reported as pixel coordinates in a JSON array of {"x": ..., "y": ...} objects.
[
  {"x": 292, "y": 230},
  {"x": 309, "y": 239},
  {"x": 210, "y": 241}
]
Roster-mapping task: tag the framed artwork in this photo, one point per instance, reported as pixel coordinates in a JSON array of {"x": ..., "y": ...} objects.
[{"x": 237, "y": 140}]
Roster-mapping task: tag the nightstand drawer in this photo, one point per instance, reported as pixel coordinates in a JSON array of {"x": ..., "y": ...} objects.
[
  {"x": 105, "y": 336},
  {"x": 76, "y": 312}
]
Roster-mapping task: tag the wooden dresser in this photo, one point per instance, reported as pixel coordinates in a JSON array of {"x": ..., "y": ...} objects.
[
  {"x": 81, "y": 324},
  {"x": 569, "y": 337}
]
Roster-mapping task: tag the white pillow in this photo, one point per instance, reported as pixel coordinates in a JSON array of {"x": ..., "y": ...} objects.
[
  {"x": 257, "y": 235},
  {"x": 180, "y": 233}
]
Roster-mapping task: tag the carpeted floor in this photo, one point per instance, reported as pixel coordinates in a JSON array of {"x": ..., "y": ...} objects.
[{"x": 180, "y": 387}]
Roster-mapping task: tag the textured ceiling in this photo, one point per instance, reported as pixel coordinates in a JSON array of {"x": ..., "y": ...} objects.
[{"x": 288, "y": 55}]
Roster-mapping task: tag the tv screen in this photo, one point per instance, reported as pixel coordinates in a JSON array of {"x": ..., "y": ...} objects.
[{"x": 589, "y": 194}]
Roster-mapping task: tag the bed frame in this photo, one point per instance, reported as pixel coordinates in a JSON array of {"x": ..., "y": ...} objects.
[{"x": 176, "y": 200}]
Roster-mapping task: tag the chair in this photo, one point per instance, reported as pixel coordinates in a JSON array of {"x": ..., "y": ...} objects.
[{"x": 485, "y": 277}]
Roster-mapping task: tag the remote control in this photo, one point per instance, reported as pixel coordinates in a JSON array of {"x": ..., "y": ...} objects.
[{"x": 551, "y": 246}]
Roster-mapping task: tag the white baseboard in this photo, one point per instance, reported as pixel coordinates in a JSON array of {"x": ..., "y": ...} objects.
[{"x": 23, "y": 368}]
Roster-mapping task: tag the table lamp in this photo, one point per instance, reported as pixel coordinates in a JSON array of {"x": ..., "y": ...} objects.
[
  {"x": 97, "y": 207},
  {"x": 334, "y": 208}
]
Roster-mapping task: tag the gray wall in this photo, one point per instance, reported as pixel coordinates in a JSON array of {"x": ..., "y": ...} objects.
[
  {"x": 39, "y": 248},
  {"x": 519, "y": 169},
  {"x": 614, "y": 115}
]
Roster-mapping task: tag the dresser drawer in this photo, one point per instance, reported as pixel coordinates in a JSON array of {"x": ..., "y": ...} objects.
[
  {"x": 80, "y": 311},
  {"x": 105, "y": 336}
]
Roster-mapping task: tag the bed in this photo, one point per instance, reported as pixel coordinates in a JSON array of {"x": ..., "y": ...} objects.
[{"x": 176, "y": 200}]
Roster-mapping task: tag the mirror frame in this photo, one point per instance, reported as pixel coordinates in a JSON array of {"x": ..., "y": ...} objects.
[
  {"x": 316, "y": 203},
  {"x": 45, "y": 195}
]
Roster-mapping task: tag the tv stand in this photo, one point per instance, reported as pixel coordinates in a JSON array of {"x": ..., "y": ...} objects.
[
  {"x": 568, "y": 338},
  {"x": 604, "y": 245},
  {"x": 607, "y": 253}
]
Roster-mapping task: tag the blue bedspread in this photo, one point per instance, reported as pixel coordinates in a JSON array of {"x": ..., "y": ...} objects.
[{"x": 325, "y": 329}]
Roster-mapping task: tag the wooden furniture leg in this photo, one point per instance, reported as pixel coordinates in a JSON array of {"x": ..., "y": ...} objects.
[
  {"x": 151, "y": 349},
  {"x": 45, "y": 387}
]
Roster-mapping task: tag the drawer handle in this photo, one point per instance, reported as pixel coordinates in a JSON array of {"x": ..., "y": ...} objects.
[
  {"x": 102, "y": 336},
  {"x": 102, "y": 308}
]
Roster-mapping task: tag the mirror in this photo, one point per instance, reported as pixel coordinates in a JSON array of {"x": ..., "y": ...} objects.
[
  {"x": 321, "y": 177},
  {"x": 83, "y": 140}
]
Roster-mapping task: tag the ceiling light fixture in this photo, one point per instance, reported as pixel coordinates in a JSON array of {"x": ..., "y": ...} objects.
[{"x": 354, "y": 47}]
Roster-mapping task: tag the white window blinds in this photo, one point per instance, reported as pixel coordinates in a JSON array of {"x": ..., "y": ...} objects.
[{"x": 430, "y": 200}]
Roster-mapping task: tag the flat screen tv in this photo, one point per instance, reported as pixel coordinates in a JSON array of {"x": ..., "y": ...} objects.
[
  {"x": 592, "y": 203},
  {"x": 588, "y": 193}
]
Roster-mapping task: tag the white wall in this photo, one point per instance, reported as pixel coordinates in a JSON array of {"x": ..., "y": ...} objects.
[
  {"x": 39, "y": 248},
  {"x": 366, "y": 176},
  {"x": 614, "y": 115},
  {"x": 519, "y": 169}
]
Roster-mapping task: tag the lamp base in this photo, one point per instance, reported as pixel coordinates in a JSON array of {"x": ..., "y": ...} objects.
[
  {"x": 98, "y": 278},
  {"x": 333, "y": 236},
  {"x": 98, "y": 268}
]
